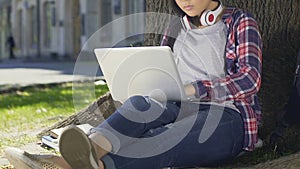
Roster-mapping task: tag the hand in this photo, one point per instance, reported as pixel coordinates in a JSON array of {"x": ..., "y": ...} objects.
[
  {"x": 100, "y": 164},
  {"x": 189, "y": 90}
]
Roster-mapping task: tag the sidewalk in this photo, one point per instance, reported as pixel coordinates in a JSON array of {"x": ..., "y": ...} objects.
[{"x": 23, "y": 73}]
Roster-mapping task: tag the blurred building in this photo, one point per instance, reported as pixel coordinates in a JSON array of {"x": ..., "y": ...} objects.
[
  {"x": 5, "y": 26},
  {"x": 60, "y": 28}
]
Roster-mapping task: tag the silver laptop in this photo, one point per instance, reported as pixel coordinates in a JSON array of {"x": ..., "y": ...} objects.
[{"x": 147, "y": 71}]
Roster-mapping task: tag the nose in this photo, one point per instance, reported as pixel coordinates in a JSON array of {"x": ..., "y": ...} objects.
[{"x": 182, "y": 1}]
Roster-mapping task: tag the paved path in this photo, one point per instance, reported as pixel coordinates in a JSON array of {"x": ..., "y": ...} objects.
[{"x": 26, "y": 73}]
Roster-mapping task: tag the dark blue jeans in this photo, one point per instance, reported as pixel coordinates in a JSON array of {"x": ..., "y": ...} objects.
[{"x": 149, "y": 135}]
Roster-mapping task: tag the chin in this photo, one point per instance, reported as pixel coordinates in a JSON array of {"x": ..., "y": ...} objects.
[{"x": 191, "y": 14}]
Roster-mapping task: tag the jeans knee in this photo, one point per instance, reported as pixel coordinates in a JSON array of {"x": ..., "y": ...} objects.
[{"x": 140, "y": 103}]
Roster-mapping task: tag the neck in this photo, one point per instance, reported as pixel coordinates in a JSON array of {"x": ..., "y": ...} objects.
[{"x": 213, "y": 5}]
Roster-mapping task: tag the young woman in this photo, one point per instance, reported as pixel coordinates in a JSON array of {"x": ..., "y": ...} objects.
[{"x": 218, "y": 51}]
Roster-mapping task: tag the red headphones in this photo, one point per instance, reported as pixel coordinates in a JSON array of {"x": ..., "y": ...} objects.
[{"x": 207, "y": 17}]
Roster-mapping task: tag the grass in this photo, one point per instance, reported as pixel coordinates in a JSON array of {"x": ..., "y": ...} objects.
[{"x": 39, "y": 107}]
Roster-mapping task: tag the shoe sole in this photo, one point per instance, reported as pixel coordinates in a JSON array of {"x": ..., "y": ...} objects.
[{"x": 76, "y": 149}]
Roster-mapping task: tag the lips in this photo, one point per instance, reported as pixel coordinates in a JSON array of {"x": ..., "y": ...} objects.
[{"x": 188, "y": 7}]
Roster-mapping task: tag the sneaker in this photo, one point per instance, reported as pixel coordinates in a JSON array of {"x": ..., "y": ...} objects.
[{"x": 76, "y": 148}]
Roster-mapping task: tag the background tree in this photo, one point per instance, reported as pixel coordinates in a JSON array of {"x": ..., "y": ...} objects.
[
  {"x": 280, "y": 28},
  {"x": 152, "y": 22}
]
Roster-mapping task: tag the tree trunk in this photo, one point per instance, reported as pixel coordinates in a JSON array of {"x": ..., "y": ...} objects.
[
  {"x": 94, "y": 114},
  {"x": 280, "y": 28},
  {"x": 154, "y": 22}
]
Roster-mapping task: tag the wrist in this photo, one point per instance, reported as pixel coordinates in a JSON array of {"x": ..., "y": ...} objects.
[{"x": 189, "y": 90}]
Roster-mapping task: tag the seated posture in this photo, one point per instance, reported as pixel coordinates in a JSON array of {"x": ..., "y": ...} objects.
[{"x": 218, "y": 51}]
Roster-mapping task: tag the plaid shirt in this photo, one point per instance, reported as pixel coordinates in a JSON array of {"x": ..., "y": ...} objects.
[{"x": 244, "y": 66}]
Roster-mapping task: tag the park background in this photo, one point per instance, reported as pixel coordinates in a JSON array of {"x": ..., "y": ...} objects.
[{"x": 58, "y": 29}]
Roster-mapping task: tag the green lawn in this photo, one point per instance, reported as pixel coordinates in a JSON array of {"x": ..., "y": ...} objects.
[{"x": 34, "y": 108}]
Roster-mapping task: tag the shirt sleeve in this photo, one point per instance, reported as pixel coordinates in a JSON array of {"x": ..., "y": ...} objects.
[{"x": 246, "y": 80}]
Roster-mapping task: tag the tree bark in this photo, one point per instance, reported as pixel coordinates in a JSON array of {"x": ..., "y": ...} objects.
[
  {"x": 154, "y": 22},
  {"x": 94, "y": 114}
]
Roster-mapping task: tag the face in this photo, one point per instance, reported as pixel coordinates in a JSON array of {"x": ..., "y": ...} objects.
[{"x": 193, "y": 7}]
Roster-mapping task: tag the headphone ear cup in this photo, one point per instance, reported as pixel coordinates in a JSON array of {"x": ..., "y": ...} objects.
[
  {"x": 203, "y": 19},
  {"x": 207, "y": 18},
  {"x": 210, "y": 18}
]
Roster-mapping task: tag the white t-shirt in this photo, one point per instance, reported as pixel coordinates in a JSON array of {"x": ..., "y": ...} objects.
[{"x": 200, "y": 54}]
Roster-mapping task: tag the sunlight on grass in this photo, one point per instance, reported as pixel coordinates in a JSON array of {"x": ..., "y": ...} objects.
[
  {"x": 35, "y": 106},
  {"x": 38, "y": 108}
]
